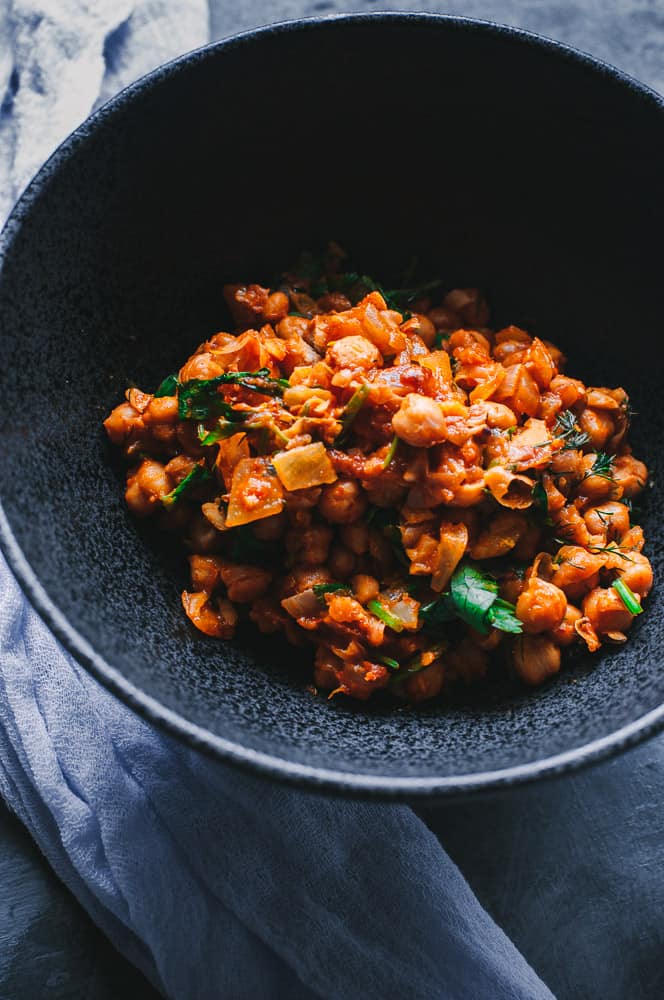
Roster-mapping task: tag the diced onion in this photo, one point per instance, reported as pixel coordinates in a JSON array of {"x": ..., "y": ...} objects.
[
  {"x": 256, "y": 492},
  {"x": 303, "y": 605},
  {"x": 308, "y": 465}
]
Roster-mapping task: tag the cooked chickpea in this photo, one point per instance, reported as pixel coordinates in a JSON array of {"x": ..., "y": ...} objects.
[
  {"x": 565, "y": 633},
  {"x": 276, "y": 307},
  {"x": 245, "y": 583},
  {"x": 426, "y": 683},
  {"x": 630, "y": 474},
  {"x": 203, "y": 365},
  {"x": 342, "y": 502},
  {"x": 636, "y": 572},
  {"x": 610, "y": 519},
  {"x": 541, "y": 606},
  {"x": 470, "y": 304},
  {"x": 604, "y": 609},
  {"x": 161, "y": 410},
  {"x": 146, "y": 486},
  {"x": 268, "y": 529},
  {"x": 598, "y": 425},
  {"x": 535, "y": 658},
  {"x": 354, "y": 352},
  {"x": 355, "y": 536},
  {"x": 341, "y": 562},
  {"x": 420, "y": 421},
  {"x": 123, "y": 423},
  {"x": 366, "y": 588},
  {"x": 310, "y": 546}
]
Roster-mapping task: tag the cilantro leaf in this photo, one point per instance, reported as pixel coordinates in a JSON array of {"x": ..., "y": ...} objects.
[
  {"x": 168, "y": 387},
  {"x": 502, "y": 616}
]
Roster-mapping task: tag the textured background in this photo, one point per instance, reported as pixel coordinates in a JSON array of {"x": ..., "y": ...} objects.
[{"x": 572, "y": 870}]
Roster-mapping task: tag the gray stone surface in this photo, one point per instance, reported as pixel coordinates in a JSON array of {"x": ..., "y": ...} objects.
[{"x": 604, "y": 942}]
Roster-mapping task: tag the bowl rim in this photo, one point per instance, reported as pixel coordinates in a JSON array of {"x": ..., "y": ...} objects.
[{"x": 270, "y": 765}]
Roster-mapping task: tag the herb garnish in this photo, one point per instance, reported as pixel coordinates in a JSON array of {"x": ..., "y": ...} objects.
[
  {"x": 198, "y": 398},
  {"x": 353, "y": 407},
  {"x": 602, "y": 467},
  {"x": 567, "y": 427},
  {"x": 541, "y": 499},
  {"x": 377, "y": 609},
  {"x": 199, "y": 474},
  {"x": 628, "y": 597},
  {"x": 391, "y": 451},
  {"x": 321, "y": 589},
  {"x": 473, "y": 597},
  {"x": 167, "y": 387}
]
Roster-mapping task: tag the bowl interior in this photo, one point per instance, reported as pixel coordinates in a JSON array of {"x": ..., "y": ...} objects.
[{"x": 499, "y": 161}]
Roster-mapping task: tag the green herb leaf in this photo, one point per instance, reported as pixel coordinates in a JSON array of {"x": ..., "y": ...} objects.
[
  {"x": 321, "y": 589},
  {"x": 437, "y": 612},
  {"x": 502, "y": 616},
  {"x": 377, "y": 609},
  {"x": 628, "y": 597},
  {"x": 567, "y": 427},
  {"x": 541, "y": 499},
  {"x": 199, "y": 474},
  {"x": 415, "y": 664},
  {"x": 602, "y": 466},
  {"x": 223, "y": 430},
  {"x": 388, "y": 662},
  {"x": 353, "y": 407},
  {"x": 198, "y": 398},
  {"x": 391, "y": 451},
  {"x": 474, "y": 594},
  {"x": 440, "y": 339},
  {"x": 167, "y": 387}
]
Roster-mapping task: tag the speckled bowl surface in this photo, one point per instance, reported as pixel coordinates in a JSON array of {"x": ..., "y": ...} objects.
[{"x": 500, "y": 159}]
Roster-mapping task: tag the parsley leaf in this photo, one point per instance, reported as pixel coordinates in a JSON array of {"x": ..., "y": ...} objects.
[
  {"x": 474, "y": 594},
  {"x": 167, "y": 387},
  {"x": 198, "y": 398}
]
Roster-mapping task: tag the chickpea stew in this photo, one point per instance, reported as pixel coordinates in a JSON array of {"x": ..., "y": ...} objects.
[{"x": 384, "y": 477}]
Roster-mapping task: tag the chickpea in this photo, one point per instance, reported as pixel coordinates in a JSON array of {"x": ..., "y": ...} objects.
[
  {"x": 325, "y": 669},
  {"x": 426, "y": 683},
  {"x": 577, "y": 570},
  {"x": 637, "y": 573},
  {"x": 292, "y": 327},
  {"x": 470, "y": 304},
  {"x": 268, "y": 529},
  {"x": 444, "y": 318},
  {"x": 203, "y": 365},
  {"x": 565, "y": 633},
  {"x": 380, "y": 551},
  {"x": 610, "y": 519},
  {"x": 597, "y": 487},
  {"x": 467, "y": 661},
  {"x": 630, "y": 474},
  {"x": 569, "y": 390},
  {"x": 305, "y": 577},
  {"x": 202, "y": 536},
  {"x": 605, "y": 611},
  {"x": 567, "y": 463},
  {"x": 355, "y": 536},
  {"x": 420, "y": 421},
  {"x": 179, "y": 468},
  {"x": 245, "y": 583},
  {"x": 341, "y": 562},
  {"x": 342, "y": 502},
  {"x": 276, "y": 307},
  {"x": 146, "y": 486},
  {"x": 541, "y": 606},
  {"x": 123, "y": 423},
  {"x": 161, "y": 410},
  {"x": 535, "y": 658},
  {"x": 598, "y": 425},
  {"x": 334, "y": 302},
  {"x": 188, "y": 439},
  {"x": 421, "y": 326},
  {"x": 205, "y": 572},
  {"x": 354, "y": 352},
  {"x": 499, "y": 415},
  {"x": 310, "y": 546},
  {"x": 365, "y": 587}
]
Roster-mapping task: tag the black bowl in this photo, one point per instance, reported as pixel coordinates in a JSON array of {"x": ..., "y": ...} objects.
[{"x": 502, "y": 160}]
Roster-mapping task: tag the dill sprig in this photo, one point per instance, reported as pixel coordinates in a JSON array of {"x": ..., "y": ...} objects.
[
  {"x": 602, "y": 467},
  {"x": 567, "y": 427}
]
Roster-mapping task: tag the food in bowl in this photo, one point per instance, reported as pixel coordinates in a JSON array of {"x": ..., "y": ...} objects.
[{"x": 383, "y": 476}]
